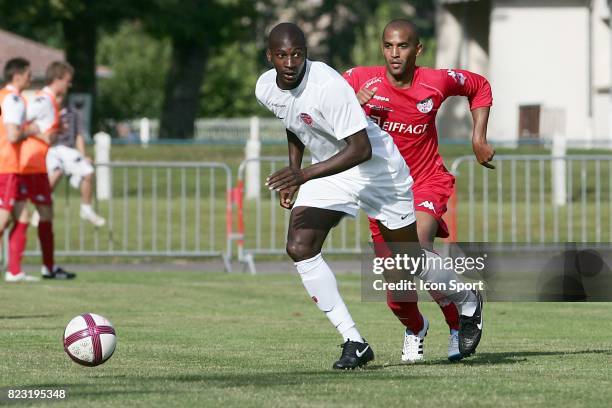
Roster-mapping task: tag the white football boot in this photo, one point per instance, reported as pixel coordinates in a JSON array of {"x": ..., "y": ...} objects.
[
  {"x": 20, "y": 277},
  {"x": 413, "y": 344}
]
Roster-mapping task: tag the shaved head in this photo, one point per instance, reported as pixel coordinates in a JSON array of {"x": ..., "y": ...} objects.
[
  {"x": 287, "y": 52},
  {"x": 286, "y": 34},
  {"x": 402, "y": 24}
]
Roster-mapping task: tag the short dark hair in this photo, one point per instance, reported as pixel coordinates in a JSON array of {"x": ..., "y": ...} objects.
[
  {"x": 15, "y": 66},
  {"x": 57, "y": 70}
]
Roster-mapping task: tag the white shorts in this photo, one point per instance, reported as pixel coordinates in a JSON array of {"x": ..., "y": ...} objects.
[
  {"x": 384, "y": 194},
  {"x": 70, "y": 162}
]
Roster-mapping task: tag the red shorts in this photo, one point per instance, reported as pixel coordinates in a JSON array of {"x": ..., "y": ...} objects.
[
  {"x": 431, "y": 197},
  {"x": 35, "y": 187},
  {"x": 8, "y": 190}
]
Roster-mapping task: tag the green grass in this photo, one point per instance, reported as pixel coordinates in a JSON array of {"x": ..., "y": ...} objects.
[{"x": 207, "y": 339}]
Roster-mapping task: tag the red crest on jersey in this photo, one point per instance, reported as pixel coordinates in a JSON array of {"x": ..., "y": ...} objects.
[{"x": 306, "y": 118}]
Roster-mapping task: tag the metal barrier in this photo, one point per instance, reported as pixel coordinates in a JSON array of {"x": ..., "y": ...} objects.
[
  {"x": 155, "y": 209},
  {"x": 534, "y": 199},
  {"x": 262, "y": 223}
]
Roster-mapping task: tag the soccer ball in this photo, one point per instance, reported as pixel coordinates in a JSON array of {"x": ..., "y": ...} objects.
[{"x": 89, "y": 339}]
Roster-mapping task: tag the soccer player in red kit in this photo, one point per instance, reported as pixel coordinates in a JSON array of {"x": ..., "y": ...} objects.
[
  {"x": 13, "y": 131},
  {"x": 404, "y": 99}
]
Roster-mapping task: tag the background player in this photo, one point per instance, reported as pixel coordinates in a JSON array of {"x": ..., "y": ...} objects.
[
  {"x": 43, "y": 112},
  {"x": 355, "y": 165},
  {"x": 67, "y": 157},
  {"x": 13, "y": 130},
  {"x": 404, "y": 100}
]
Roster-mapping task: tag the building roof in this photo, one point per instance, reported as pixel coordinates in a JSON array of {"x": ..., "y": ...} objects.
[{"x": 39, "y": 55}]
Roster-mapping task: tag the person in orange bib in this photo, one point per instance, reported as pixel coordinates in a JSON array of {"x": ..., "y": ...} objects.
[
  {"x": 43, "y": 113},
  {"x": 13, "y": 130}
]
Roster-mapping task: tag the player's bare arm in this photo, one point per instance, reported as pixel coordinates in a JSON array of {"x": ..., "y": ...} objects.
[
  {"x": 357, "y": 150},
  {"x": 14, "y": 134},
  {"x": 483, "y": 151},
  {"x": 296, "y": 153},
  {"x": 80, "y": 146}
]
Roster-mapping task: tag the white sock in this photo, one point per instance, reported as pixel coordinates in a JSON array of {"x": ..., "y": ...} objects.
[
  {"x": 86, "y": 208},
  {"x": 465, "y": 300},
  {"x": 320, "y": 283}
]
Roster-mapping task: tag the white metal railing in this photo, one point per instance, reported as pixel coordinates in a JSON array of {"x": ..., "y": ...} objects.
[{"x": 154, "y": 209}]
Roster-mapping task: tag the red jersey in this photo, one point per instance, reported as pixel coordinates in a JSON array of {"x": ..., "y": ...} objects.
[{"x": 409, "y": 115}]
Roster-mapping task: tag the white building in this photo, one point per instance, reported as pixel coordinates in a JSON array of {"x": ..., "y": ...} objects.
[{"x": 541, "y": 56}]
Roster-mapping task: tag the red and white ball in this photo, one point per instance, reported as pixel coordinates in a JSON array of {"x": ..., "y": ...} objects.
[{"x": 89, "y": 339}]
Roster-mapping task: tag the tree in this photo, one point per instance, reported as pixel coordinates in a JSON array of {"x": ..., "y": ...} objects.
[
  {"x": 78, "y": 21},
  {"x": 367, "y": 46},
  {"x": 139, "y": 64},
  {"x": 194, "y": 28}
]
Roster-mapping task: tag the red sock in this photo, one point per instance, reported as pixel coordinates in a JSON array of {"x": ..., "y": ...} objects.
[
  {"x": 45, "y": 235},
  {"x": 451, "y": 314},
  {"x": 17, "y": 243},
  {"x": 407, "y": 312}
]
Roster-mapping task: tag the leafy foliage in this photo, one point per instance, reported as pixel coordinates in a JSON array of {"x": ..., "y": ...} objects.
[
  {"x": 139, "y": 64},
  {"x": 136, "y": 40}
]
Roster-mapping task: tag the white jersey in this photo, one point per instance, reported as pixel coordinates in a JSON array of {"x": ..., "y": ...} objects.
[
  {"x": 13, "y": 108},
  {"x": 42, "y": 110},
  {"x": 323, "y": 110}
]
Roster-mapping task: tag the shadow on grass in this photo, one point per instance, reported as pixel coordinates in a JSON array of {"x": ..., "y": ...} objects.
[
  {"x": 38, "y": 316},
  {"x": 133, "y": 385},
  {"x": 508, "y": 357}
]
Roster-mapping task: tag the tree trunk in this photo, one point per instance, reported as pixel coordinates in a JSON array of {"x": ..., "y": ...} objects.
[
  {"x": 80, "y": 34},
  {"x": 183, "y": 84}
]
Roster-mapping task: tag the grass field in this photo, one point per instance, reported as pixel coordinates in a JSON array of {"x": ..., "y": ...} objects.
[{"x": 212, "y": 339}]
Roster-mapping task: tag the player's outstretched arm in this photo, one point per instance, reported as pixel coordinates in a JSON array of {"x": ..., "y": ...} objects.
[
  {"x": 482, "y": 149},
  {"x": 357, "y": 150}
]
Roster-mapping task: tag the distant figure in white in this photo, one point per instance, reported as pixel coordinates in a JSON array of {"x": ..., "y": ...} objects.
[{"x": 67, "y": 158}]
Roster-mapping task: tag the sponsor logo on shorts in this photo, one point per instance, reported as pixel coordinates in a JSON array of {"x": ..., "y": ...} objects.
[
  {"x": 40, "y": 197},
  {"x": 427, "y": 204},
  {"x": 306, "y": 118},
  {"x": 425, "y": 106}
]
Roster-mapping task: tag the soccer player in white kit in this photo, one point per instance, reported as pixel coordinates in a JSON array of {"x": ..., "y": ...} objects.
[{"x": 355, "y": 165}]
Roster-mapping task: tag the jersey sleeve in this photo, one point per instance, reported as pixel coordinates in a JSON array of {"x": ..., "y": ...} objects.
[
  {"x": 341, "y": 109},
  {"x": 42, "y": 113},
  {"x": 351, "y": 76},
  {"x": 13, "y": 110},
  {"x": 465, "y": 83}
]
